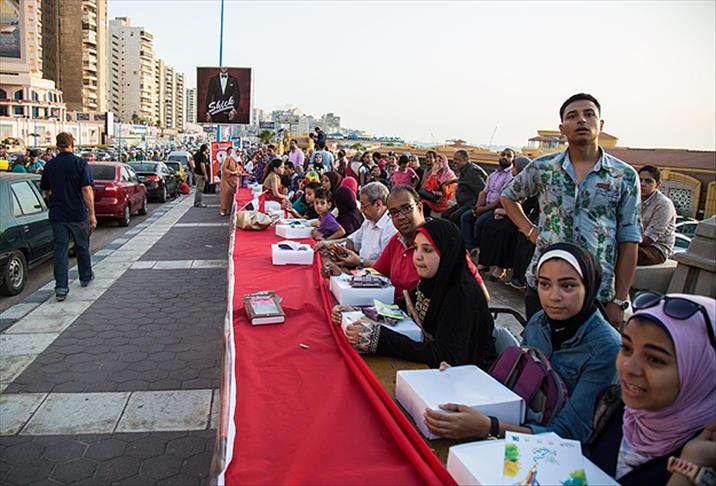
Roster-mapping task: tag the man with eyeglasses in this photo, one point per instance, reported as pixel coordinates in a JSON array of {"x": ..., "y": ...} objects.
[{"x": 364, "y": 246}]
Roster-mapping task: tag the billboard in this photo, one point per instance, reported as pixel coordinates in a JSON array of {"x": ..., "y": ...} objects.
[
  {"x": 223, "y": 95},
  {"x": 10, "y": 35},
  {"x": 218, "y": 153}
]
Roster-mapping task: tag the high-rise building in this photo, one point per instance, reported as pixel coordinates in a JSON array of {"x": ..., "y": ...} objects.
[
  {"x": 133, "y": 73},
  {"x": 190, "y": 105},
  {"x": 170, "y": 96},
  {"x": 74, "y": 47}
]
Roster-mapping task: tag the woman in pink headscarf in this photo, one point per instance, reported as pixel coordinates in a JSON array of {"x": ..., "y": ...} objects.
[
  {"x": 351, "y": 183},
  {"x": 439, "y": 186},
  {"x": 667, "y": 392}
]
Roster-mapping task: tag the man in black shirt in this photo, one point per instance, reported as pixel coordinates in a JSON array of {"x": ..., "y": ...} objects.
[
  {"x": 469, "y": 184},
  {"x": 201, "y": 171},
  {"x": 68, "y": 184}
]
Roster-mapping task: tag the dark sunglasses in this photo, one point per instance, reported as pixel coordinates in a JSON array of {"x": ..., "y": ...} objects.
[{"x": 674, "y": 307}]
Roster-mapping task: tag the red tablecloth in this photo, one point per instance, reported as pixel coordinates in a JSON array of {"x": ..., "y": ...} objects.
[{"x": 308, "y": 416}]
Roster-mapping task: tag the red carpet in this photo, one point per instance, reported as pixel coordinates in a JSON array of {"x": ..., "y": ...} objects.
[{"x": 316, "y": 415}]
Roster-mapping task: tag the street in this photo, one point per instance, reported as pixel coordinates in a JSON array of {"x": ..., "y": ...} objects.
[{"x": 107, "y": 230}]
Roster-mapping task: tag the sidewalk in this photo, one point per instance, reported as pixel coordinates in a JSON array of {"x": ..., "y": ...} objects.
[{"x": 118, "y": 384}]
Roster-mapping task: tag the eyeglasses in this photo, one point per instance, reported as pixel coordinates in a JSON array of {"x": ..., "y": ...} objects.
[
  {"x": 675, "y": 307},
  {"x": 404, "y": 210}
]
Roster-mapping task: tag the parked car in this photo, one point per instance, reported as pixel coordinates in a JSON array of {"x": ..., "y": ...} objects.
[
  {"x": 25, "y": 230},
  {"x": 178, "y": 168},
  {"x": 158, "y": 178},
  {"x": 186, "y": 159},
  {"x": 118, "y": 193}
]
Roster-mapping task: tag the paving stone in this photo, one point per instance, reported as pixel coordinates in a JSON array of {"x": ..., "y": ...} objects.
[
  {"x": 64, "y": 450},
  {"x": 16, "y": 410},
  {"x": 118, "y": 469},
  {"x": 166, "y": 410},
  {"x": 6, "y": 323},
  {"x": 64, "y": 413},
  {"x": 198, "y": 465},
  {"x": 18, "y": 311},
  {"x": 143, "y": 265},
  {"x": 162, "y": 467},
  {"x": 106, "y": 449},
  {"x": 145, "y": 446},
  {"x": 36, "y": 470},
  {"x": 39, "y": 296},
  {"x": 19, "y": 344},
  {"x": 41, "y": 324},
  {"x": 209, "y": 264},
  {"x": 76, "y": 470},
  {"x": 12, "y": 366},
  {"x": 215, "y": 409},
  {"x": 188, "y": 243},
  {"x": 172, "y": 264}
]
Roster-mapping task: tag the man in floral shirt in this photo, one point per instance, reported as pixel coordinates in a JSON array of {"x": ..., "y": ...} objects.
[{"x": 586, "y": 197}]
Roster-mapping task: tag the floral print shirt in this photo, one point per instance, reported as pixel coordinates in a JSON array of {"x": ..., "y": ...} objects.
[{"x": 597, "y": 215}]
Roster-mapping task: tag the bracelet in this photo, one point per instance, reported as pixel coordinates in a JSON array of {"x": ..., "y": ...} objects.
[
  {"x": 529, "y": 233},
  {"x": 699, "y": 475},
  {"x": 494, "y": 427}
]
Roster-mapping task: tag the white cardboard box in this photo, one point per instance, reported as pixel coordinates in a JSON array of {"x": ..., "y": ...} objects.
[
  {"x": 347, "y": 295},
  {"x": 295, "y": 256},
  {"x": 406, "y": 327},
  {"x": 481, "y": 463},
  {"x": 293, "y": 231},
  {"x": 417, "y": 390}
]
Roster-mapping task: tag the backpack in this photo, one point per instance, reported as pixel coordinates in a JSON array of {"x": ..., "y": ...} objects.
[{"x": 527, "y": 372}]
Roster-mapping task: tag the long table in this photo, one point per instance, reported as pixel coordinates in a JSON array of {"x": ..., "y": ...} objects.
[{"x": 299, "y": 405}]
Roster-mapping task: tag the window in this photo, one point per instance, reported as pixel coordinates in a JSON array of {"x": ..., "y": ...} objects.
[
  {"x": 18, "y": 94},
  {"x": 3, "y": 94},
  {"x": 26, "y": 199},
  {"x": 18, "y": 110},
  {"x": 124, "y": 176}
]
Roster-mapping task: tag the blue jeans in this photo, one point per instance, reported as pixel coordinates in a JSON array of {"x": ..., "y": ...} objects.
[
  {"x": 471, "y": 227},
  {"x": 61, "y": 233}
]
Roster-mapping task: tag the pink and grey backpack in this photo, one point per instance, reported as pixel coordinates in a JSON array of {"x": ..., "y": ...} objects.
[{"x": 527, "y": 372}]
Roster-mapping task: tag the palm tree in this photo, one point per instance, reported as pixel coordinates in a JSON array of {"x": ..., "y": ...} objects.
[{"x": 266, "y": 136}]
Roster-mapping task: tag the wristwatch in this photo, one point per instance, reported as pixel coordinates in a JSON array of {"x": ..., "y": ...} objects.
[
  {"x": 624, "y": 304},
  {"x": 699, "y": 475},
  {"x": 362, "y": 262}
]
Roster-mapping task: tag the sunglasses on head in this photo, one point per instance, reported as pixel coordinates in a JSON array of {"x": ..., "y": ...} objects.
[{"x": 675, "y": 307}]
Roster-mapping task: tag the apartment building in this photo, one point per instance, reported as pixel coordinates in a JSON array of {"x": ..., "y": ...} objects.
[
  {"x": 133, "y": 88},
  {"x": 74, "y": 47},
  {"x": 190, "y": 105}
]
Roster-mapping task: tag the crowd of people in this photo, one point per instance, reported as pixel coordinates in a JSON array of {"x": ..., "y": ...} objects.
[{"x": 568, "y": 228}]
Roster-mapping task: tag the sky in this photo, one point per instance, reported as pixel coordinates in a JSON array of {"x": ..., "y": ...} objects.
[{"x": 480, "y": 71}]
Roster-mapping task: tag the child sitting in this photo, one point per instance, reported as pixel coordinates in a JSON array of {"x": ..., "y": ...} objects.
[{"x": 328, "y": 227}]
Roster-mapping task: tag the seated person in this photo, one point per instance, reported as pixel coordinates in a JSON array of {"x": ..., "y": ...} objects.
[
  {"x": 373, "y": 235},
  {"x": 349, "y": 217},
  {"x": 487, "y": 201},
  {"x": 439, "y": 186},
  {"x": 331, "y": 181},
  {"x": 571, "y": 331},
  {"x": 658, "y": 219},
  {"x": 272, "y": 186},
  {"x": 470, "y": 182},
  {"x": 303, "y": 207},
  {"x": 328, "y": 227},
  {"x": 378, "y": 175},
  {"x": 501, "y": 236},
  {"x": 450, "y": 307},
  {"x": 667, "y": 392}
]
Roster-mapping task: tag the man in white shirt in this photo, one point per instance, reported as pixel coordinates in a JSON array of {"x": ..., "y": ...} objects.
[{"x": 365, "y": 245}]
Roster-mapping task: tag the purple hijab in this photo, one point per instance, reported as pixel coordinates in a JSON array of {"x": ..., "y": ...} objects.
[
  {"x": 661, "y": 432},
  {"x": 348, "y": 214}
]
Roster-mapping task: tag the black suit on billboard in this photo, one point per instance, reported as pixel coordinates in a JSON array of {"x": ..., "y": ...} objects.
[{"x": 221, "y": 99}]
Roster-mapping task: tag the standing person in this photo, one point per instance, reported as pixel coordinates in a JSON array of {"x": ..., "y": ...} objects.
[
  {"x": 404, "y": 175},
  {"x": 47, "y": 156},
  {"x": 658, "y": 219},
  {"x": 364, "y": 169},
  {"x": 326, "y": 156},
  {"x": 200, "y": 172},
  {"x": 470, "y": 182},
  {"x": 586, "y": 197},
  {"x": 67, "y": 183},
  {"x": 488, "y": 200},
  {"x": 349, "y": 217},
  {"x": 342, "y": 163},
  {"x": 227, "y": 187},
  {"x": 295, "y": 154},
  {"x": 34, "y": 164}
]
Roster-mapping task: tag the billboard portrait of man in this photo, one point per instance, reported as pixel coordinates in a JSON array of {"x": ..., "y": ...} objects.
[{"x": 223, "y": 95}]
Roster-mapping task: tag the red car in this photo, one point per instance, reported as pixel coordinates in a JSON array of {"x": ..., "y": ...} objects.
[{"x": 117, "y": 192}]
